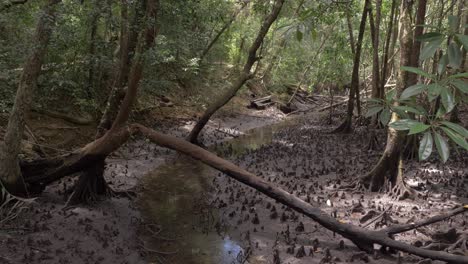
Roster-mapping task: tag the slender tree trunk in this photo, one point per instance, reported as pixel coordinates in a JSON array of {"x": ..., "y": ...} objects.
[
  {"x": 384, "y": 75},
  {"x": 386, "y": 170},
  {"x": 350, "y": 32},
  {"x": 244, "y": 75},
  {"x": 375, "y": 32},
  {"x": 222, "y": 30},
  {"x": 393, "y": 43},
  {"x": 91, "y": 181},
  {"x": 418, "y": 31},
  {"x": 464, "y": 20},
  {"x": 346, "y": 126},
  {"x": 10, "y": 173}
]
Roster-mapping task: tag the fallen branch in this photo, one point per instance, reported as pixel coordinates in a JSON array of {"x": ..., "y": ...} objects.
[
  {"x": 71, "y": 119},
  {"x": 363, "y": 238},
  {"x": 396, "y": 229}
]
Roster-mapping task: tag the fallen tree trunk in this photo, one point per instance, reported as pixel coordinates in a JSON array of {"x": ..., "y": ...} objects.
[
  {"x": 362, "y": 237},
  {"x": 68, "y": 118}
]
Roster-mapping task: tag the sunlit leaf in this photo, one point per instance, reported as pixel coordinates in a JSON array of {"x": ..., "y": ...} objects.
[
  {"x": 442, "y": 146},
  {"x": 418, "y": 128},
  {"x": 425, "y": 146},
  {"x": 453, "y": 23},
  {"x": 402, "y": 124}
]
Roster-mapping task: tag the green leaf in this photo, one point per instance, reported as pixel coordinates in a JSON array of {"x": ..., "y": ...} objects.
[
  {"x": 373, "y": 110},
  {"x": 461, "y": 85},
  {"x": 418, "y": 128},
  {"x": 431, "y": 36},
  {"x": 390, "y": 95},
  {"x": 447, "y": 99},
  {"x": 402, "y": 124},
  {"x": 463, "y": 39},
  {"x": 299, "y": 35},
  {"x": 442, "y": 64},
  {"x": 434, "y": 90},
  {"x": 459, "y": 75},
  {"x": 412, "y": 90},
  {"x": 384, "y": 117},
  {"x": 456, "y": 137},
  {"x": 454, "y": 55},
  {"x": 375, "y": 100},
  {"x": 425, "y": 146},
  {"x": 417, "y": 71},
  {"x": 453, "y": 23},
  {"x": 408, "y": 109},
  {"x": 430, "y": 48},
  {"x": 457, "y": 128},
  {"x": 442, "y": 146}
]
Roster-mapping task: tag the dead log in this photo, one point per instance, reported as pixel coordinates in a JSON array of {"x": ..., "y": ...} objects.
[
  {"x": 72, "y": 119},
  {"x": 261, "y": 103},
  {"x": 362, "y": 237}
]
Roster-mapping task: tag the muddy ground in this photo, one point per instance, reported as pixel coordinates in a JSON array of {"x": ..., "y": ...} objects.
[{"x": 186, "y": 212}]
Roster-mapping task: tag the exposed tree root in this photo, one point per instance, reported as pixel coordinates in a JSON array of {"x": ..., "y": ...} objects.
[
  {"x": 373, "y": 141},
  {"x": 345, "y": 127}
]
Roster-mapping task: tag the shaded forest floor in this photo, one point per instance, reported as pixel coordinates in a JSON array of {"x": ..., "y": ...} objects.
[{"x": 188, "y": 213}]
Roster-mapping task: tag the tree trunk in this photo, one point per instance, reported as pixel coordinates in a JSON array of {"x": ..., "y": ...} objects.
[
  {"x": 346, "y": 126},
  {"x": 418, "y": 31},
  {"x": 244, "y": 75},
  {"x": 350, "y": 32},
  {"x": 10, "y": 173},
  {"x": 375, "y": 33},
  {"x": 386, "y": 170},
  {"x": 384, "y": 75},
  {"x": 91, "y": 181},
  {"x": 221, "y": 31}
]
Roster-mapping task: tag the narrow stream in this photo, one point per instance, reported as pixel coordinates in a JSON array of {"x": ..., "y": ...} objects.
[{"x": 177, "y": 196}]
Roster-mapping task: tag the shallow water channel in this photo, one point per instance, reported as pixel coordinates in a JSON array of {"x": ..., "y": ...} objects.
[{"x": 177, "y": 197}]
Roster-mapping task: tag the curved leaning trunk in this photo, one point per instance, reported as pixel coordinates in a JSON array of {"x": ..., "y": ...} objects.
[
  {"x": 244, "y": 75},
  {"x": 10, "y": 173}
]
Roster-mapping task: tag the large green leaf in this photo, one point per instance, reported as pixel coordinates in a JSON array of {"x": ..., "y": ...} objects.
[
  {"x": 430, "y": 48},
  {"x": 402, "y": 124},
  {"x": 412, "y": 90},
  {"x": 463, "y": 39},
  {"x": 384, "y": 116},
  {"x": 404, "y": 108},
  {"x": 461, "y": 85},
  {"x": 431, "y": 36},
  {"x": 447, "y": 99},
  {"x": 454, "y": 55},
  {"x": 390, "y": 95},
  {"x": 442, "y": 64},
  {"x": 457, "y": 138},
  {"x": 459, "y": 75},
  {"x": 442, "y": 146},
  {"x": 418, "y": 128},
  {"x": 453, "y": 23},
  {"x": 373, "y": 110},
  {"x": 457, "y": 128},
  {"x": 417, "y": 71},
  {"x": 425, "y": 146},
  {"x": 434, "y": 90}
]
